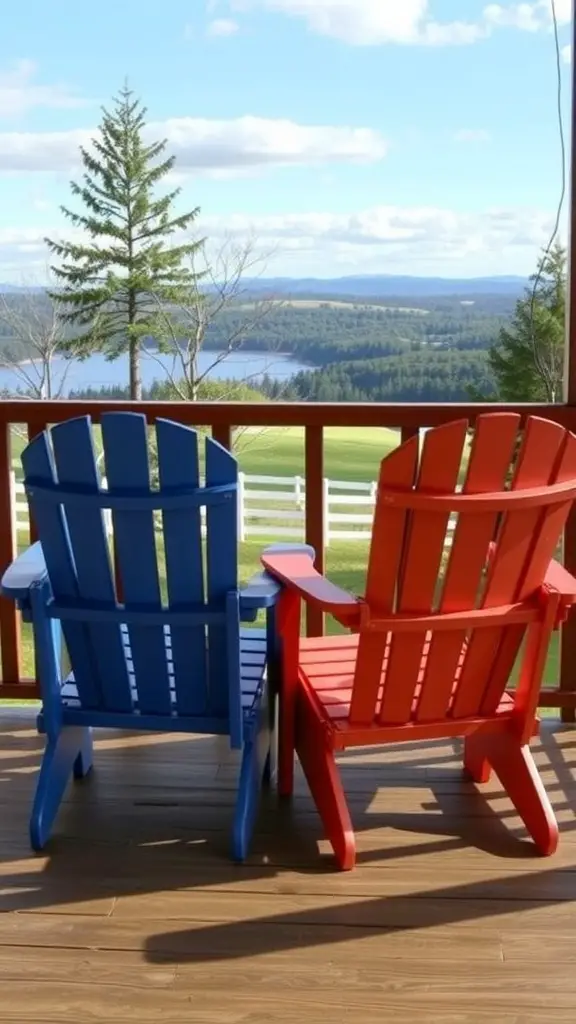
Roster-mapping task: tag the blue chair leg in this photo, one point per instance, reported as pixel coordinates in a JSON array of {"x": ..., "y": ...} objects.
[
  {"x": 271, "y": 766},
  {"x": 83, "y": 762},
  {"x": 254, "y": 760},
  {"x": 268, "y": 774},
  {"x": 58, "y": 763},
  {"x": 246, "y": 803}
]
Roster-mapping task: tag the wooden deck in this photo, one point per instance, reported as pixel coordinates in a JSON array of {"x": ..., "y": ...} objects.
[{"x": 136, "y": 914}]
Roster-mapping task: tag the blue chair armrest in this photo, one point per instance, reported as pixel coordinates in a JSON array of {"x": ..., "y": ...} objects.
[
  {"x": 28, "y": 570},
  {"x": 260, "y": 592}
]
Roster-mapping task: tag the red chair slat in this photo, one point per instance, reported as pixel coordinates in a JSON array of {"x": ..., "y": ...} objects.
[
  {"x": 439, "y": 469},
  {"x": 491, "y": 452}
]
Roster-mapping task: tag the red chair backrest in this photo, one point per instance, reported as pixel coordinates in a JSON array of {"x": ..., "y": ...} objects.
[{"x": 500, "y": 549}]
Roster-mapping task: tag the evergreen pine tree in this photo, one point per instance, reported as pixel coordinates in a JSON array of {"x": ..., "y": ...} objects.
[
  {"x": 528, "y": 360},
  {"x": 106, "y": 284}
]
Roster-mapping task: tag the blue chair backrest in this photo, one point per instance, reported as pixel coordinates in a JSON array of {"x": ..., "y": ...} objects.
[{"x": 132, "y": 650}]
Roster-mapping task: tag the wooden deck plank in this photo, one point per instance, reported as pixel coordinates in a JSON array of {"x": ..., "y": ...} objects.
[
  {"x": 58, "y": 1002},
  {"x": 135, "y": 913},
  {"x": 281, "y": 943}
]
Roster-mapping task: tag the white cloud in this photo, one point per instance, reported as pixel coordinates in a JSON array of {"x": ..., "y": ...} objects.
[
  {"x": 40, "y": 151},
  {"x": 567, "y": 54},
  {"x": 370, "y": 22},
  {"x": 528, "y": 17},
  {"x": 202, "y": 145},
  {"x": 222, "y": 27},
  {"x": 381, "y": 239},
  {"x": 40, "y": 204},
  {"x": 408, "y": 22},
  {"x": 564, "y": 10},
  {"x": 20, "y": 92},
  {"x": 392, "y": 228},
  {"x": 392, "y": 239},
  {"x": 473, "y": 135}
]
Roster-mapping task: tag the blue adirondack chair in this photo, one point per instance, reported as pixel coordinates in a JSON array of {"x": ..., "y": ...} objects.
[{"x": 141, "y": 660}]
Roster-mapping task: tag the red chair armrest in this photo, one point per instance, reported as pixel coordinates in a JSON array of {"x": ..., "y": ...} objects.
[
  {"x": 296, "y": 571},
  {"x": 559, "y": 579}
]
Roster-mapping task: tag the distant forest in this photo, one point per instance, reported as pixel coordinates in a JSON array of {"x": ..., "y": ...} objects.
[
  {"x": 398, "y": 349},
  {"x": 417, "y": 377},
  {"x": 429, "y": 351}
]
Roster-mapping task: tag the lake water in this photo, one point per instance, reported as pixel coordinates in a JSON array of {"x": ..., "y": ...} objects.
[{"x": 97, "y": 372}]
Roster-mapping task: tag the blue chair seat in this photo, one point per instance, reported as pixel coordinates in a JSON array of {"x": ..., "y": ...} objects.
[{"x": 253, "y": 672}]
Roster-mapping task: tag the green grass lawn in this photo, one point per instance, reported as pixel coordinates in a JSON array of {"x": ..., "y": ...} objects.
[{"x": 349, "y": 454}]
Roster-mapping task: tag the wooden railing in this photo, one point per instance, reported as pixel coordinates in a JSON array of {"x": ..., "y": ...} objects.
[{"x": 222, "y": 417}]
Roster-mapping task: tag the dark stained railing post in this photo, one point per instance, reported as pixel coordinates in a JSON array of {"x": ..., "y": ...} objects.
[
  {"x": 407, "y": 433},
  {"x": 568, "y": 654},
  {"x": 34, "y": 428},
  {"x": 315, "y": 526},
  {"x": 568, "y": 638},
  {"x": 9, "y": 617},
  {"x": 222, "y": 432}
]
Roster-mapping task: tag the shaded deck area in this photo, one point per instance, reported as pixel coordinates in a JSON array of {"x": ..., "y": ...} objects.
[{"x": 136, "y": 914}]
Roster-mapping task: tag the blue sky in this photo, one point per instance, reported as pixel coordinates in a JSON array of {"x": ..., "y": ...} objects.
[{"x": 341, "y": 136}]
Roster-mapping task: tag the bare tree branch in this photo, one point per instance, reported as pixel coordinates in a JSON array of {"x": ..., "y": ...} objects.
[
  {"x": 221, "y": 281},
  {"x": 34, "y": 339}
]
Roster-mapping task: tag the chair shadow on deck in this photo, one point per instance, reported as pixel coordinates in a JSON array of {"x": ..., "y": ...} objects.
[
  {"x": 375, "y": 917},
  {"x": 153, "y": 819}
]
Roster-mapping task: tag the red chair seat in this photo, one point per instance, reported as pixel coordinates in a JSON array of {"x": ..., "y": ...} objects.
[{"x": 327, "y": 667}]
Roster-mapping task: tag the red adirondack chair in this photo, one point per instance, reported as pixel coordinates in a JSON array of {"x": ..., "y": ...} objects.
[{"x": 435, "y": 638}]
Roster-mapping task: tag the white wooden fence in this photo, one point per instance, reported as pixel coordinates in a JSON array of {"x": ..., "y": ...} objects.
[{"x": 273, "y": 506}]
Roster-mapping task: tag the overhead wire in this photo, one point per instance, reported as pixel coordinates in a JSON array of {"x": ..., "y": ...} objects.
[{"x": 541, "y": 366}]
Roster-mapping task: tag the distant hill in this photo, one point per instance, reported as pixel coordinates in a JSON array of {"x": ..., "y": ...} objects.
[
  {"x": 6, "y": 288},
  {"x": 372, "y": 286},
  {"x": 376, "y": 286}
]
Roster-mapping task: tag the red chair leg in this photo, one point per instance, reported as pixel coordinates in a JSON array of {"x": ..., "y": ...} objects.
[
  {"x": 324, "y": 781},
  {"x": 285, "y": 761},
  {"x": 475, "y": 760},
  {"x": 515, "y": 767},
  {"x": 288, "y": 624}
]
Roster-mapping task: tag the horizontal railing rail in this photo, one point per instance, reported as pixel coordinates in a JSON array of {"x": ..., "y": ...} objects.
[{"x": 222, "y": 418}]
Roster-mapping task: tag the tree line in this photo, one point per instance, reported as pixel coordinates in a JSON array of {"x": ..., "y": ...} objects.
[
  {"x": 430, "y": 377},
  {"x": 524, "y": 360},
  {"x": 322, "y": 335}
]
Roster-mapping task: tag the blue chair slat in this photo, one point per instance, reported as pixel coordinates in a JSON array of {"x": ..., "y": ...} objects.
[
  {"x": 127, "y": 469},
  {"x": 38, "y": 465},
  {"x": 222, "y": 573},
  {"x": 178, "y": 467},
  {"x": 233, "y": 675},
  {"x": 252, "y": 668},
  {"x": 75, "y": 460}
]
